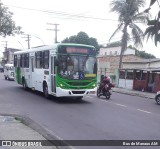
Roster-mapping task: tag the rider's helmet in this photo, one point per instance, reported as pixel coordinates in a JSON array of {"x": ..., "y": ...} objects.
[{"x": 108, "y": 78}]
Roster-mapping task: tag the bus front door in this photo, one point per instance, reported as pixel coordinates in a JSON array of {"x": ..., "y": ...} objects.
[{"x": 53, "y": 75}]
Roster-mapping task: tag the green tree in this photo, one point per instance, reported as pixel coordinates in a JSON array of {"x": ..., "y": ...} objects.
[
  {"x": 128, "y": 12},
  {"x": 154, "y": 25},
  {"x": 7, "y": 25},
  {"x": 82, "y": 38},
  {"x": 142, "y": 54},
  {"x": 114, "y": 44}
]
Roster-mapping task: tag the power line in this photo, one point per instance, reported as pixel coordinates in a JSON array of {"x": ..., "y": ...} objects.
[
  {"x": 63, "y": 13},
  {"x": 119, "y": 38}
]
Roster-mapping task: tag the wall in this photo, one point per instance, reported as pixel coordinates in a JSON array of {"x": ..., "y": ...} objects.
[
  {"x": 116, "y": 51},
  {"x": 155, "y": 64},
  {"x": 111, "y": 63},
  {"x": 106, "y": 51},
  {"x": 157, "y": 82},
  {"x": 134, "y": 65},
  {"x": 124, "y": 83}
]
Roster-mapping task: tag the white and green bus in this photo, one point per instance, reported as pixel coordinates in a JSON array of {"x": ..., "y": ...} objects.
[{"x": 61, "y": 70}]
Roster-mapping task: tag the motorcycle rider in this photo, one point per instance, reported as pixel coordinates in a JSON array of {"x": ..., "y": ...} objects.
[{"x": 104, "y": 82}]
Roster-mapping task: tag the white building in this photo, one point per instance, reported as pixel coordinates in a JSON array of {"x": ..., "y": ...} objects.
[
  {"x": 116, "y": 51},
  {"x": 8, "y": 56}
]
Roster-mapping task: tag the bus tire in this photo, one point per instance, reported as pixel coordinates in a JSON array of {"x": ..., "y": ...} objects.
[
  {"x": 45, "y": 90},
  {"x": 24, "y": 84}
]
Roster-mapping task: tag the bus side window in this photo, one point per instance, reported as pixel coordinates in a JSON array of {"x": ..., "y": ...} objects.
[
  {"x": 26, "y": 61},
  {"x": 39, "y": 59},
  {"x": 15, "y": 60},
  {"x": 55, "y": 64},
  {"x": 18, "y": 62},
  {"x": 46, "y": 59}
]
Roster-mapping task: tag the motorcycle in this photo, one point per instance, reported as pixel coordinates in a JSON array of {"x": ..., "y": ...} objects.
[{"x": 105, "y": 91}]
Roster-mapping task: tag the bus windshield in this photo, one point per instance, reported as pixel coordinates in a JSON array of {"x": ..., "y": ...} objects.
[{"x": 77, "y": 66}]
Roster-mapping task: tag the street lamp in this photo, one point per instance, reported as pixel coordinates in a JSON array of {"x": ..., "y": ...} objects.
[{"x": 39, "y": 39}]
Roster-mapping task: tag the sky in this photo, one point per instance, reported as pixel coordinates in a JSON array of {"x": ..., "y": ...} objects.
[{"x": 73, "y": 16}]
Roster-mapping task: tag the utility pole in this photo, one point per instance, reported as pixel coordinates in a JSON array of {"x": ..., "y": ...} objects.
[
  {"x": 28, "y": 39},
  {"x": 6, "y": 52},
  {"x": 56, "y": 30},
  {"x": 6, "y": 45},
  {"x": 0, "y": 14}
]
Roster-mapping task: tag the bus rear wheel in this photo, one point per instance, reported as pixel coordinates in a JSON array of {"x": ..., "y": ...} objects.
[
  {"x": 24, "y": 84},
  {"x": 45, "y": 91},
  {"x": 5, "y": 77}
]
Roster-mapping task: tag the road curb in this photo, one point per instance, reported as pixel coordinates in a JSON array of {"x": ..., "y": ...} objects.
[
  {"x": 60, "y": 144},
  {"x": 133, "y": 94}
]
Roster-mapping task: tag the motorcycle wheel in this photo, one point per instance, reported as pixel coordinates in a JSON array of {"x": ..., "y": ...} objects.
[
  {"x": 98, "y": 93},
  {"x": 107, "y": 95}
]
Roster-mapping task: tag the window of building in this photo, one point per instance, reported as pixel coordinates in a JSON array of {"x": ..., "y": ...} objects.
[
  {"x": 105, "y": 53},
  {"x": 110, "y": 52},
  {"x": 129, "y": 75},
  {"x": 122, "y": 74}
]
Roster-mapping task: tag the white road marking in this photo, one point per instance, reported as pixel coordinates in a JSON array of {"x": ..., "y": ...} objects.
[
  {"x": 143, "y": 111},
  {"x": 120, "y": 105}
]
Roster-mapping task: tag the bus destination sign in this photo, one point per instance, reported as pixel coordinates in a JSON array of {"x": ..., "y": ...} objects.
[{"x": 77, "y": 50}]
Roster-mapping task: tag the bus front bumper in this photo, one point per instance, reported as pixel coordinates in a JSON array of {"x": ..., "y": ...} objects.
[{"x": 74, "y": 93}]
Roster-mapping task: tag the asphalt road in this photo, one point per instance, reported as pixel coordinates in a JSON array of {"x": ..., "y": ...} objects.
[{"x": 123, "y": 117}]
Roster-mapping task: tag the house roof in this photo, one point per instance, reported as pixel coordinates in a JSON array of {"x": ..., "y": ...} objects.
[
  {"x": 144, "y": 69},
  {"x": 143, "y": 60}
]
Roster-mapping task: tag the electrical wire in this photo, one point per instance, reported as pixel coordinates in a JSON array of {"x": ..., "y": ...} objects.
[{"x": 62, "y": 13}]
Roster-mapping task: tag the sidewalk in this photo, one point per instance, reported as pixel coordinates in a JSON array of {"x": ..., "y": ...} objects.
[
  {"x": 21, "y": 132},
  {"x": 134, "y": 93}
]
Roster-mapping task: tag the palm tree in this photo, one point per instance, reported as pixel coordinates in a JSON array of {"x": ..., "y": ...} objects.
[
  {"x": 129, "y": 15},
  {"x": 153, "y": 29}
]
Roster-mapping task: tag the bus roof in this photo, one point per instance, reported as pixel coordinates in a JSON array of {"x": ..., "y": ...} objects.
[{"x": 50, "y": 47}]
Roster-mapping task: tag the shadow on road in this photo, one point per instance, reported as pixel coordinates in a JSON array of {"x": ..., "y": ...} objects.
[{"x": 58, "y": 100}]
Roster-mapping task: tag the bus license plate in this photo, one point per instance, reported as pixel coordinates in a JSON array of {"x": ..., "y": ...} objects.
[{"x": 92, "y": 92}]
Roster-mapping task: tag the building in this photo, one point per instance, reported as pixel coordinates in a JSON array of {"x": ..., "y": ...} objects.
[
  {"x": 8, "y": 55},
  {"x": 109, "y": 64},
  {"x": 142, "y": 75},
  {"x": 113, "y": 51}
]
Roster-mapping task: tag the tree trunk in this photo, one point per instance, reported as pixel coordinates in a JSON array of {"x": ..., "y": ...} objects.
[{"x": 124, "y": 45}]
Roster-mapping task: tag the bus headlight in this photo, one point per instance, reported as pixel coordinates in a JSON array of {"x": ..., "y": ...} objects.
[
  {"x": 61, "y": 85},
  {"x": 94, "y": 85}
]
